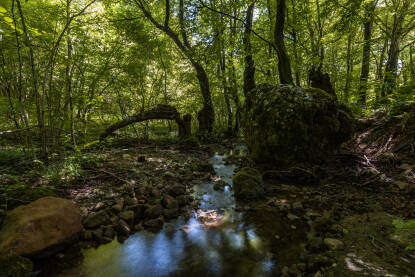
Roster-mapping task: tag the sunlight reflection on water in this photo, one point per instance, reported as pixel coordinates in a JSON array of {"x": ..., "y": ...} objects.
[{"x": 214, "y": 242}]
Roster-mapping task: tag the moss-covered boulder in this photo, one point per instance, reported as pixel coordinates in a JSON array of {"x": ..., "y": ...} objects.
[
  {"x": 22, "y": 194},
  {"x": 41, "y": 228},
  {"x": 285, "y": 125},
  {"x": 190, "y": 142},
  {"x": 248, "y": 184},
  {"x": 15, "y": 266}
]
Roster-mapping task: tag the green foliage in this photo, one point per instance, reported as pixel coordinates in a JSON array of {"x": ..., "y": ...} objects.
[
  {"x": 191, "y": 142},
  {"x": 22, "y": 194},
  {"x": 409, "y": 224},
  {"x": 9, "y": 158},
  {"x": 401, "y": 224}
]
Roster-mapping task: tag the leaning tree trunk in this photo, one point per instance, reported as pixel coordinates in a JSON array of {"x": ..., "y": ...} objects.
[{"x": 159, "y": 112}]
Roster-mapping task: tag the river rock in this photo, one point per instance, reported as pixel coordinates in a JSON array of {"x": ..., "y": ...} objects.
[
  {"x": 128, "y": 216},
  {"x": 177, "y": 190},
  {"x": 97, "y": 219},
  {"x": 98, "y": 234},
  {"x": 154, "y": 211},
  {"x": 40, "y": 228},
  {"x": 247, "y": 184},
  {"x": 138, "y": 210},
  {"x": 123, "y": 229},
  {"x": 219, "y": 185},
  {"x": 170, "y": 203},
  {"x": 285, "y": 125},
  {"x": 156, "y": 223},
  {"x": 109, "y": 232},
  {"x": 333, "y": 244},
  {"x": 171, "y": 213}
]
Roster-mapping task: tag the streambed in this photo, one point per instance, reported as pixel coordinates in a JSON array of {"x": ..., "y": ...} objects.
[{"x": 214, "y": 241}]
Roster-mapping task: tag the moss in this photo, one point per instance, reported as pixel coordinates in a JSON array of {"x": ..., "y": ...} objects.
[
  {"x": 247, "y": 183},
  {"x": 22, "y": 194},
  {"x": 191, "y": 142},
  {"x": 284, "y": 124},
  {"x": 15, "y": 267}
]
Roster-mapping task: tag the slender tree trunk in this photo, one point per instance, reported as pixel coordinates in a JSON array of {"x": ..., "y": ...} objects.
[
  {"x": 379, "y": 70},
  {"x": 249, "y": 72},
  {"x": 226, "y": 92},
  {"x": 69, "y": 75},
  {"x": 391, "y": 68},
  {"x": 349, "y": 69},
  {"x": 32, "y": 67},
  {"x": 367, "y": 25},
  {"x": 233, "y": 80},
  {"x": 411, "y": 63},
  {"x": 284, "y": 66}
]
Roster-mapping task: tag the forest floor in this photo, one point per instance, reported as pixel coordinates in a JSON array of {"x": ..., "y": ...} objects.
[
  {"x": 340, "y": 218},
  {"x": 355, "y": 205}
]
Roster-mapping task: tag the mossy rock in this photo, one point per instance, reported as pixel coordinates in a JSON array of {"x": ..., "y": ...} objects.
[
  {"x": 248, "y": 184},
  {"x": 15, "y": 266},
  {"x": 191, "y": 142},
  {"x": 284, "y": 125},
  {"x": 22, "y": 194}
]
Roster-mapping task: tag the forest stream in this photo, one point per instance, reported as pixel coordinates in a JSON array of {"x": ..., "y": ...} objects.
[{"x": 215, "y": 241}]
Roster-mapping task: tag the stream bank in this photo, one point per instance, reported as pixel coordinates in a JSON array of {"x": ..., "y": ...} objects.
[{"x": 217, "y": 238}]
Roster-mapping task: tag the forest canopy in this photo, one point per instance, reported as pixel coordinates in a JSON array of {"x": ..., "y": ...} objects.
[{"x": 69, "y": 69}]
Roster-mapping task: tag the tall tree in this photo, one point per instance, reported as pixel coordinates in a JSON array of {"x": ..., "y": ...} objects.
[
  {"x": 206, "y": 115},
  {"x": 284, "y": 65},
  {"x": 368, "y": 18},
  {"x": 249, "y": 71}
]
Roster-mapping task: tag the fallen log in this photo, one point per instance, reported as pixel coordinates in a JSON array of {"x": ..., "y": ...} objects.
[
  {"x": 159, "y": 112},
  {"x": 17, "y": 131}
]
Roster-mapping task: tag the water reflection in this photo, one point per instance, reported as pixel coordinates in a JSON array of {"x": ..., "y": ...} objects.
[{"x": 214, "y": 242}]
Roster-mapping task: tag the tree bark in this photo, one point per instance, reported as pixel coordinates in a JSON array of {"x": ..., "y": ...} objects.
[
  {"x": 159, "y": 112},
  {"x": 249, "y": 71},
  {"x": 206, "y": 116},
  {"x": 368, "y": 26},
  {"x": 284, "y": 65}
]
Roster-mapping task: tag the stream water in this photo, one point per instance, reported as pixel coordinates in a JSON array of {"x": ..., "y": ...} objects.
[{"x": 215, "y": 241}]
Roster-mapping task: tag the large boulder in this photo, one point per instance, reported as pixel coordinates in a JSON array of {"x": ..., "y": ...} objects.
[
  {"x": 285, "y": 125},
  {"x": 247, "y": 184},
  {"x": 40, "y": 228}
]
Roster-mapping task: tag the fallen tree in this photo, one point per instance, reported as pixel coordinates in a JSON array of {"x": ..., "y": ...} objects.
[{"x": 159, "y": 112}]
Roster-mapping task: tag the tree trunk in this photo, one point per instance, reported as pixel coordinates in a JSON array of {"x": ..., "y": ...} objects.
[
  {"x": 349, "y": 69},
  {"x": 284, "y": 66},
  {"x": 249, "y": 72},
  {"x": 367, "y": 25},
  {"x": 206, "y": 116},
  {"x": 391, "y": 68},
  {"x": 159, "y": 112},
  {"x": 411, "y": 63},
  {"x": 69, "y": 76}
]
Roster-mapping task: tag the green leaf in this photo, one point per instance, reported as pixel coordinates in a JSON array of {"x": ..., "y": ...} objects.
[
  {"x": 410, "y": 247},
  {"x": 2, "y": 10},
  {"x": 7, "y": 19},
  {"x": 401, "y": 224}
]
